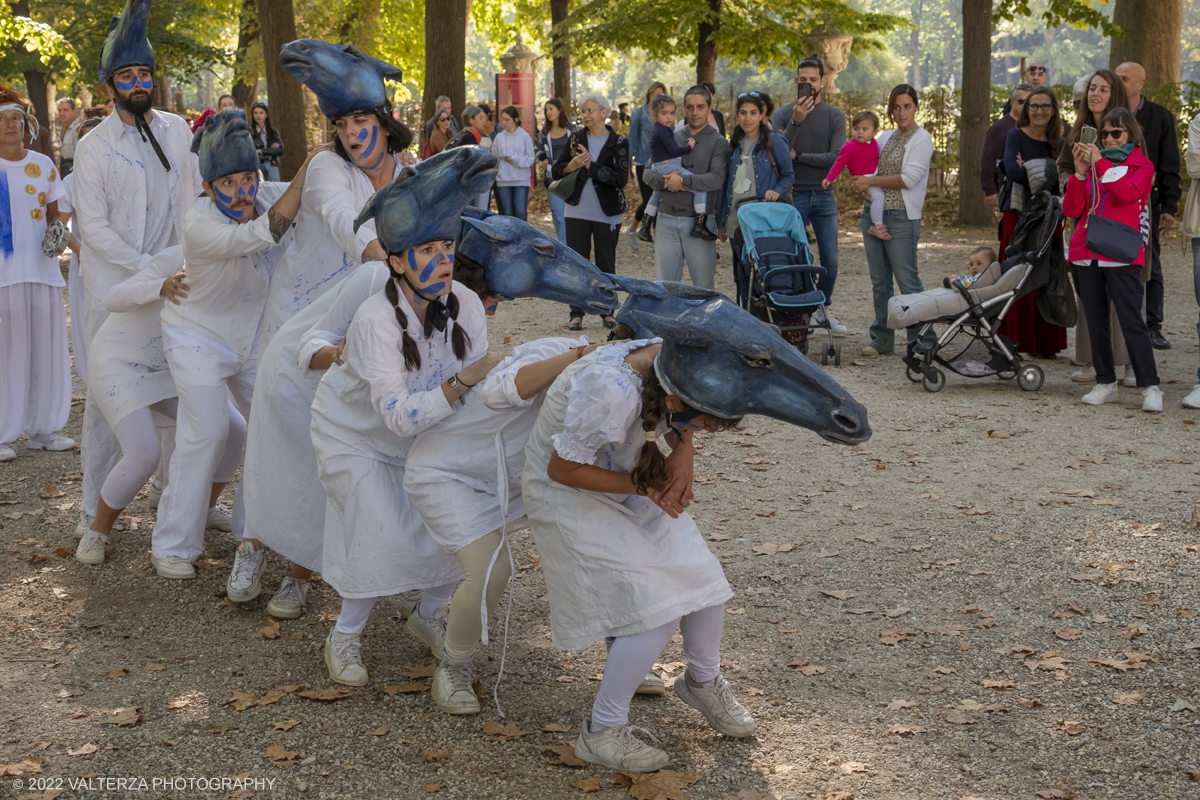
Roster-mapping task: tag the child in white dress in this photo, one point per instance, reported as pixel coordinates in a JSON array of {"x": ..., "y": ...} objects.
[{"x": 621, "y": 557}]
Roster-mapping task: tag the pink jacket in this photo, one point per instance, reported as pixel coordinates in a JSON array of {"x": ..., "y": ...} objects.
[
  {"x": 1123, "y": 199},
  {"x": 862, "y": 159}
]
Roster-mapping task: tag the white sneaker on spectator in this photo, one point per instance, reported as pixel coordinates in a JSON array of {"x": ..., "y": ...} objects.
[
  {"x": 431, "y": 631},
  {"x": 714, "y": 699},
  {"x": 245, "y": 579},
  {"x": 51, "y": 441},
  {"x": 84, "y": 524},
  {"x": 1085, "y": 375},
  {"x": 91, "y": 548},
  {"x": 7, "y": 453},
  {"x": 1101, "y": 393},
  {"x": 1130, "y": 378},
  {"x": 618, "y": 749},
  {"x": 1193, "y": 398},
  {"x": 1152, "y": 397},
  {"x": 631, "y": 237},
  {"x": 289, "y": 601},
  {"x": 219, "y": 519},
  {"x": 154, "y": 496},
  {"x": 173, "y": 567},
  {"x": 825, "y": 313},
  {"x": 343, "y": 656}
]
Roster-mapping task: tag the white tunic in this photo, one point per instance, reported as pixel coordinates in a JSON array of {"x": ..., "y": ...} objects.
[
  {"x": 615, "y": 565},
  {"x": 128, "y": 367},
  {"x": 75, "y": 299},
  {"x": 285, "y": 502},
  {"x": 464, "y": 473},
  {"x": 326, "y": 247},
  {"x": 364, "y": 418}
]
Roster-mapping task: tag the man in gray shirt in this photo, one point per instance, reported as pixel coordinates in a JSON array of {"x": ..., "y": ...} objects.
[
  {"x": 708, "y": 162},
  {"x": 815, "y": 132}
]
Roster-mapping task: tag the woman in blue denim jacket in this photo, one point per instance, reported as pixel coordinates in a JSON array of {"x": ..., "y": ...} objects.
[
  {"x": 640, "y": 126},
  {"x": 751, "y": 171}
]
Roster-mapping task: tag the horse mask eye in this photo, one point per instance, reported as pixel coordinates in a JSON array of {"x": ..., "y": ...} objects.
[{"x": 756, "y": 360}]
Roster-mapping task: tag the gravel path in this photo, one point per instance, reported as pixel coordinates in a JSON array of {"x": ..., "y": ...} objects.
[{"x": 942, "y": 612}]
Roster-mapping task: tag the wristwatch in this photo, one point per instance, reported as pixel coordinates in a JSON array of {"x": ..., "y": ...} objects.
[{"x": 459, "y": 388}]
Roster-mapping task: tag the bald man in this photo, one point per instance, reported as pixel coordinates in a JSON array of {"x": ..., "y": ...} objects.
[{"x": 1162, "y": 148}]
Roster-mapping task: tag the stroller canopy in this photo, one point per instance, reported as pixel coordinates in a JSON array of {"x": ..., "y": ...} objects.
[{"x": 759, "y": 220}]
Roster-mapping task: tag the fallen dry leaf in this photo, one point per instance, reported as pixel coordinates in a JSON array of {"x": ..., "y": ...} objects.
[
  {"x": 1133, "y": 698},
  {"x": 117, "y": 672},
  {"x": 839, "y": 595},
  {"x": 961, "y": 718},
  {"x": 1060, "y": 791},
  {"x": 30, "y": 764},
  {"x": 83, "y": 750},
  {"x": 554, "y": 727},
  {"x": 51, "y": 492},
  {"x": 286, "y": 725},
  {"x": 851, "y": 767},
  {"x": 241, "y": 701},
  {"x": 329, "y": 693},
  {"x": 586, "y": 785},
  {"x": 663, "y": 785},
  {"x": 271, "y": 631},
  {"x": 505, "y": 733},
  {"x": 278, "y": 752},
  {"x": 434, "y": 788},
  {"x": 807, "y": 668},
  {"x": 997, "y": 684},
  {"x": 125, "y": 717},
  {"x": 1072, "y": 728},
  {"x": 893, "y": 636},
  {"x": 1069, "y": 634},
  {"x": 155, "y": 667},
  {"x": 566, "y": 754},
  {"x": 770, "y": 549},
  {"x": 898, "y": 704},
  {"x": 435, "y": 755}
]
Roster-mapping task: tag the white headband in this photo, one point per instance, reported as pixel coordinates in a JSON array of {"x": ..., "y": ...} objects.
[{"x": 24, "y": 112}]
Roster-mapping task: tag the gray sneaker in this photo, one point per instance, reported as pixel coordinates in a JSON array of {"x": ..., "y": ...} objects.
[
  {"x": 219, "y": 518},
  {"x": 245, "y": 579},
  {"x": 451, "y": 687},
  {"x": 430, "y": 631},
  {"x": 619, "y": 749},
  {"x": 408, "y": 602},
  {"x": 91, "y": 548},
  {"x": 716, "y": 702},
  {"x": 289, "y": 601},
  {"x": 343, "y": 656},
  {"x": 84, "y": 525}
]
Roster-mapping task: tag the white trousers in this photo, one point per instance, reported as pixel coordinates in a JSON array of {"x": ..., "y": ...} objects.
[
  {"x": 631, "y": 657},
  {"x": 35, "y": 361},
  {"x": 99, "y": 450},
  {"x": 205, "y": 380},
  {"x": 79, "y": 331}
]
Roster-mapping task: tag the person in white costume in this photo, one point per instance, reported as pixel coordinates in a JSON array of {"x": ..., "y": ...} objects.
[
  {"x": 232, "y": 241},
  {"x": 35, "y": 363},
  {"x": 411, "y": 354},
  {"x": 135, "y": 179},
  {"x": 464, "y": 477},
  {"x": 620, "y": 557},
  {"x": 370, "y": 150},
  {"x": 132, "y": 384}
]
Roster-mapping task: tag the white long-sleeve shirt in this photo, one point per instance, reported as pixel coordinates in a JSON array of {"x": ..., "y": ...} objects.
[
  {"x": 519, "y": 146},
  {"x": 229, "y": 266}
]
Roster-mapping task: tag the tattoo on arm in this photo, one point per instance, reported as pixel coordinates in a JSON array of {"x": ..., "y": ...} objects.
[{"x": 278, "y": 224}]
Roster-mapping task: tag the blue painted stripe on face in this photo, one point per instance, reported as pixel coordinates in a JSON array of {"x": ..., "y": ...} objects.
[
  {"x": 435, "y": 288},
  {"x": 125, "y": 87},
  {"x": 223, "y": 202},
  {"x": 362, "y": 134},
  {"x": 6, "y": 222},
  {"x": 431, "y": 266}
]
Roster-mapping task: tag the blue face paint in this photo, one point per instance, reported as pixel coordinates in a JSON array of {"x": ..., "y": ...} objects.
[
  {"x": 224, "y": 201},
  {"x": 492, "y": 308},
  {"x": 134, "y": 82}
]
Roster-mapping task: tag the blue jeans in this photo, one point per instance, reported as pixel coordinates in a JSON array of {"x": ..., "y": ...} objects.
[
  {"x": 819, "y": 211},
  {"x": 513, "y": 201},
  {"x": 674, "y": 245},
  {"x": 557, "y": 207},
  {"x": 887, "y": 260}
]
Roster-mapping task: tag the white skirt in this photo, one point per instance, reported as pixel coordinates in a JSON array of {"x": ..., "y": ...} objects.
[
  {"x": 79, "y": 332},
  {"x": 35, "y": 361}
]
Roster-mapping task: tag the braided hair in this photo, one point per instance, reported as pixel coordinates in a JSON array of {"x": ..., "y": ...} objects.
[{"x": 459, "y": 338}]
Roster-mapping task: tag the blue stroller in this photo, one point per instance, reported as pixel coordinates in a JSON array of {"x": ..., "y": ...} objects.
[{"x": 775, "y": 275}]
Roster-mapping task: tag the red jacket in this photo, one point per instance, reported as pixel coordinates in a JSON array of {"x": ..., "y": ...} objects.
[{"x": 1123, "y": 200}]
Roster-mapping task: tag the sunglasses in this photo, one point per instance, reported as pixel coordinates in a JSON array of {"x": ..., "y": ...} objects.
[
  {"x": 1111, "y": 134},
  {"x": 748, "y": 94},
  {"x": 1040, "y": 106},
  {"x": 1036, "y": 70},
  {"x": 809, "y": 63}
]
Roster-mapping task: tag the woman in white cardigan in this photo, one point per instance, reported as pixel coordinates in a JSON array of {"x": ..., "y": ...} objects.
[
  {"x": 903, "y": 174},
  {"x": 514, "y": 147}
]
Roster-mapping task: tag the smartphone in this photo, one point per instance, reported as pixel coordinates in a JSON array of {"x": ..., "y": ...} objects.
[
  {"x": 803, "y": 90},
  {"x": 1087, "y": 135}
]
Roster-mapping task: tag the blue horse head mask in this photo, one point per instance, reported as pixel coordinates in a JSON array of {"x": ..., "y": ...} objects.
[
  {"x": 721, "y": 360},
  {"x": 127, "y": 45},
  {"x": 224, "y": 145},
  {"x": 343, "y": 78}
]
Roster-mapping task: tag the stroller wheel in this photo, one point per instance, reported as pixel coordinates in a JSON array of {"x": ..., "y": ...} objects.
[
  {"x": 803, "y": 347},
  {"x": 1030, "y": 378},
  {"x": 936, "y": 383},
  {"x": 837, "y": 355},
  {"x": 824, "y": 357},
  {"x": 914, "y": 375}
]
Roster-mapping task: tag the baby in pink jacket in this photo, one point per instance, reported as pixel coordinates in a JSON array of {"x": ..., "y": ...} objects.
[{"x": 860, "y": 154}]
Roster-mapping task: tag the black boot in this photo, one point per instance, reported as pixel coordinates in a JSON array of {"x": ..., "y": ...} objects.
[
  {"x": 644, "y": 234},
  {"x": 1157, "y": 340},
  {"x": 701, "y": 231}
]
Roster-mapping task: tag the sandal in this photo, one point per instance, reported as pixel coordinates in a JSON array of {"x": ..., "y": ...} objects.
[
  {"x": 610, "y": 322},
  {"x": 576, "y": 324}
]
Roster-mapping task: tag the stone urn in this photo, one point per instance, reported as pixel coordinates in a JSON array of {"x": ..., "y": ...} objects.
[{"x": 833, "y": 48}]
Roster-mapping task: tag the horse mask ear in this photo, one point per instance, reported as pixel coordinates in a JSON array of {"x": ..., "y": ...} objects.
[
  {"x": 491, "y": 230},
  {"x": 641, "y": 288},
  {"x": 672, "y": 330},
  {"x": 687, "y": 291}
]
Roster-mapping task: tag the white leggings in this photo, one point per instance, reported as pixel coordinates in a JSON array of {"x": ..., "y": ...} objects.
[
  {"x": 631, "y": 657},
  {"x": 140, "y": 451},
  {"x": 356, "y": 610}
]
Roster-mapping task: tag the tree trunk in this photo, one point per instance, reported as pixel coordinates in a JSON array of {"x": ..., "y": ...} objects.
[
  {"x": 560, "y": 38},
  {"x": 1152, "y": 34},
  {"x": 245, "y": 89},
  {"x": 976, "y": 109},
  {"x": 914, "y": 46},
  {"x": 277, "y": 27},
  {"x": 445, "y": 54},
  {"x": 706, "y": 54}
]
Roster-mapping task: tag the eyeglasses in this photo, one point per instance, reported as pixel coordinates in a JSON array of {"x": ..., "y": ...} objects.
[
  {"x": 1040, "y": 106},
  {"x": 748, "y": 94},
  {"x": 1110, "y": 133},
  {"x": 1036, "y": 70}
]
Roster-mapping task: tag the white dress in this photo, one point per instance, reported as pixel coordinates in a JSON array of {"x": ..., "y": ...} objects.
[
  {"x": 464, "y": 473},
  {"x": 364, "y": 418},
  {"x": 615, "y": 565},
  {"x": 285, "y": 502},
  {"x": 326, "y": 248}
]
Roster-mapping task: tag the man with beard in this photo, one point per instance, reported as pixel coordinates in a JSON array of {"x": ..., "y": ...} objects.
[
  {"x": 134, "y": 181},
  {"x": 232, "y": 242}
]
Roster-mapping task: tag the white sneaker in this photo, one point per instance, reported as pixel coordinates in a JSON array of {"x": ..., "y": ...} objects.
[
  {"x": 84, "y": 525},
  {"x": 451, "y": 688},
  {"x": 716, "y": 702},
  {"x": 219, "y": 519},
  {"x": 289, "y": 601},
  {"x": 1085, "y": 375},
  {"x": 618, "y": 749},
  {"x": 344, "y": 659},
  {"x": 245, "y": 579},
  {"x": 91, "y": 548},
  {"x": 1130, "y": 378},
  {"x": 1191, "y": 401},
  {"x": 652, "y": 685},
  {"x": 408, "y": 602},
  {"x": 173, "y": 567},
  {"x": 825, "y": 313},
  {"x": 154, "y": 496},
  {"x": 631, "y": 237},
  {"x": 7, "y": 453},
  {"x": 51, "y": 441},
  {"x": 430, "y": 631},
  {"x": 1152, "y": 399},
  {"x": 1101, "y": 393}
]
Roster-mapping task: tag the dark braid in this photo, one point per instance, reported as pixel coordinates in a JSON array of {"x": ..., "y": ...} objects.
[
  {"x": 412, "y": 356},
  {"x": 459, "y": 338},
  {"x": 652, "y": 472}
]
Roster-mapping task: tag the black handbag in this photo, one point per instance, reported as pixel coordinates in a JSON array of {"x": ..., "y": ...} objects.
[{"x": 1114, "y": 240}]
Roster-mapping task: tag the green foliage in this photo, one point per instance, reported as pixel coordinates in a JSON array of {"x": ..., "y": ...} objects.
[
  {"x": 36, "y": 38},
  {"x": 1076, "y": 13}
]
